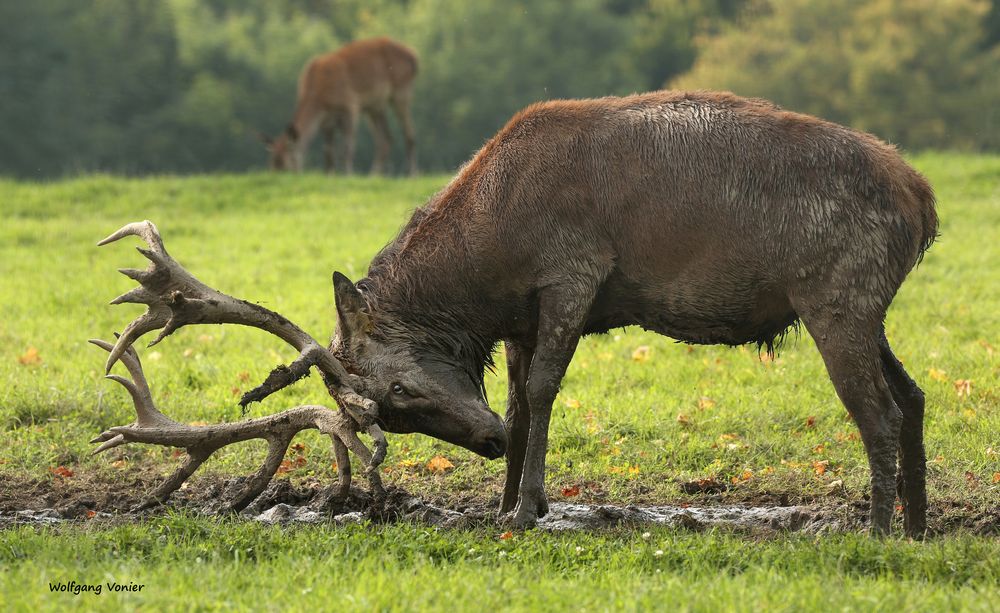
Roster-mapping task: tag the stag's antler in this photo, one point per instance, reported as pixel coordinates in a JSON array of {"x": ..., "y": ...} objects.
[{"x": 176, "y": 298}]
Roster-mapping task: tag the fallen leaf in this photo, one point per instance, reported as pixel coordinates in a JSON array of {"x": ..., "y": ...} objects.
[
  {"x": 236, "y": 391},
  {"x": 573, "y": 403},
  {"x": 683, "y": 419},
  {"x": 811, "y": 421},
  {"x": 439, "y": 464},
  {"x": 996, "y": 477},
  {"x": 569, "y": 492},
  {"x": 120, "y": 464},
  {"x": 61, "y": 471},
  {"x": 299, "y": 448},
  {"x": 705, "y": 403},
  {"x": 244, "y": 376},
  {"x": 205, "y": 338},
  {"x": 963, "y": 387},
  {"x": 506, "y": 535},
  {"x": 642, "y": 353},
  {"x": 91, "y": 514},
  {"x": 729, "y": 437},
  {"x": 937, "y": 375},
  {"x": 30, "y": 357},
  {"x": 971, "y": 480},
  {"x": 198, "y": 423},
  {"x": 188, "y": 352},
  {"x": 819, "y": 448},
  {"x": 284, "y": 467},
  {"x": 988, "y": 347},
  {"x": 820, "y": 467}
]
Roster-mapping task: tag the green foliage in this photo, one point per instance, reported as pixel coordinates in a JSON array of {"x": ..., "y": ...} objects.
[
  {"x": 183, "y": 85},
  {"x": 915, "y": 72}
]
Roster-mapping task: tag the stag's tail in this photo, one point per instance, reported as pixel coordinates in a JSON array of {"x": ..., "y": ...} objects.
[{"x": 923, "y": 211}]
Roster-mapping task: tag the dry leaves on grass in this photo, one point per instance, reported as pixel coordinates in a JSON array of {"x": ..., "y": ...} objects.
[
  {"x": 642, "y": 353},
  {"x": 439, "y": 464},
  {"x": 61, "y": 471},
  {"x": 30, "y": 357},
  {"x": 937, "y": 374},
  {"x": 506, "y": 536},
  {"x": 569, "y": 492},
  {"x": 963, "y": 387}
]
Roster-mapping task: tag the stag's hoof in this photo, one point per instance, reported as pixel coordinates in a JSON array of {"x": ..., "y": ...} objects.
[{"x": 529, "y": 509}]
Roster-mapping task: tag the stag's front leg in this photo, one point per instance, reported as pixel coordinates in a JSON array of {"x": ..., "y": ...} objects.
[
  {"x": 562, "y": 313},
  {"x": 517, "y": 419}
]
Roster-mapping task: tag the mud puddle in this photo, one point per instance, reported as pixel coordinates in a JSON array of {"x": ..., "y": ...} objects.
[{"x": 99, "y": 502}]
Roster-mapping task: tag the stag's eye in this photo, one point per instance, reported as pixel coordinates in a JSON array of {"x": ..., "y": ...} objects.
[{"x": 397, "y": 389}]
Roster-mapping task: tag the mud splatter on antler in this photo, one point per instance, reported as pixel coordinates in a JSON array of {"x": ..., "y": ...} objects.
[{"x": 175, "y": 298}]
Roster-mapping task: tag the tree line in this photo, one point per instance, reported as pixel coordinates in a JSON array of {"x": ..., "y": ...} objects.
[{"x": 152, "y": 86}]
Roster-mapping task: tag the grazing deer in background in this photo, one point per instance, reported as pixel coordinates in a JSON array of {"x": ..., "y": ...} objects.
[
  {"x": 364, "y": 77},
  {"x": 706, "y": 217}
]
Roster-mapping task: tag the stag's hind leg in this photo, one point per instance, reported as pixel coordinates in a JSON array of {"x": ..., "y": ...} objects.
[
  {"x": 850, "y": 348},
  {"x": 911, "y": 481}
]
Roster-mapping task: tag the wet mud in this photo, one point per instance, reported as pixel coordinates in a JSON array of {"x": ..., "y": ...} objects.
[{"x": 89, "y": 500}]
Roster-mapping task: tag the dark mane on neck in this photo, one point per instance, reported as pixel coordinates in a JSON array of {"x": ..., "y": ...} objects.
[{"x": 421, "y": 289}]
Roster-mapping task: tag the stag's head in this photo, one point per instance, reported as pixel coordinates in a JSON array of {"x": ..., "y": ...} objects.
[
  {"x": 416, "y": 389},
  {"x": 283, "y": 151}
]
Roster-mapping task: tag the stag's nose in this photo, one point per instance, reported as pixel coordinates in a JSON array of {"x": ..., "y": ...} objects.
[
  {"x": 494, "y": 444},
  {"x": 494, "y": 447}
]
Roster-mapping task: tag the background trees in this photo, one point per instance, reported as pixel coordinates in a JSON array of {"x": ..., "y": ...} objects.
[{"x": 183, "y": 85}]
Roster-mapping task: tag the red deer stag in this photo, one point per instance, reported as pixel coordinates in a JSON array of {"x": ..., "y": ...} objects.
[
  {"x": 706, "y": 217},
  {"x": 366, "y": 76}
]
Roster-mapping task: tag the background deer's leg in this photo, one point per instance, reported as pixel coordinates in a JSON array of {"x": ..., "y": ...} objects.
[
  {"x": 349, "y": 128},
  {"x": 401, "y": 104},
  {"x": 383, "y": 139},
  {"x": 517, "y": 419},
  {"x": 329, "y": 153}
]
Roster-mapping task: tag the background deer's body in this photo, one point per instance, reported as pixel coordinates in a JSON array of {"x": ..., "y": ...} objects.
[
  {"x": 364, "y": 77},
  {"x": 706, "y": 217}
]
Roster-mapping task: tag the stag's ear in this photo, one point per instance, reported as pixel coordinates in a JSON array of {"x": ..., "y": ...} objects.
[
  {"x": 353, "y": 320},
  {"x": 292, "y": 132}
]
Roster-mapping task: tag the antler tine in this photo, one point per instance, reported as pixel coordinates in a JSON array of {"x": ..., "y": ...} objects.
[
  {"x": 146, "y": 411},
  {"x": 146, "y": 230},
  {"x": 147, "y": 322}
]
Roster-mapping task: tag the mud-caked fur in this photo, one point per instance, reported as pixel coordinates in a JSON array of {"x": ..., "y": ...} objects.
[{"x": 703, "y": 216}]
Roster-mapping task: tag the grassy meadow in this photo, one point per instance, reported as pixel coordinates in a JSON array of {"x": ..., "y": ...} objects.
[{"x": 637, "y": 416}]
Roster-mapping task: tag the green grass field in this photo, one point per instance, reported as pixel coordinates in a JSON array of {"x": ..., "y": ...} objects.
[{"x": 638, "y": 415}]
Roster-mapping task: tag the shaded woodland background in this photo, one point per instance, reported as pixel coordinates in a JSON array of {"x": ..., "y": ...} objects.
[{"x": 154, "y": 86}]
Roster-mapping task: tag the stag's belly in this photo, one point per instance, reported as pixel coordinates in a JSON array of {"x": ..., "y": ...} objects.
[{"x": 720, "y": 310}]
